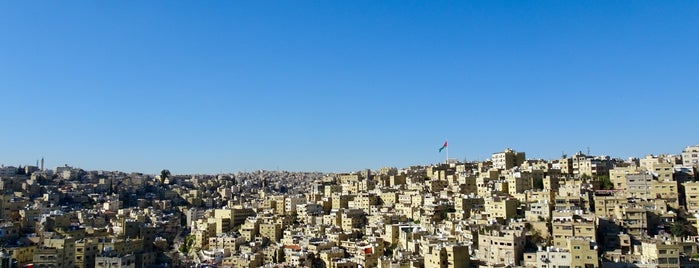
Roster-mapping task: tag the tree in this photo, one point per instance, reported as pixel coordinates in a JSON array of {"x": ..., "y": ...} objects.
[
  {"x": 682, "y": 228},
  {"x": 187, "y": 244},
  {"x": 164, "y": 174},
  {"x": 606, "y": 182}
]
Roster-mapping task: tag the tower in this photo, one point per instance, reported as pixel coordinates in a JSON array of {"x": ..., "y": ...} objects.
[
  {"x": 42, "y": 164},
  {"x": 262, "y": 193}
]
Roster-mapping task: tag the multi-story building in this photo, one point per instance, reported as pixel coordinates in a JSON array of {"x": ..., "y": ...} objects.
[
  {"x": 501, "y": 207},
  {"x": 580, "y": 253},
  {"x": 661, "y": 254},
  {"x": 691, "y": 194},
  {"x": 571, "y": 225},
  {"x": 617, "y": 176},
  {"x": 565, "y": 165},
  {"x": 8, "y": 170},
  {"x": 273, "y": 231},
  {"x": 667, "y": 190},
  {"x": 290, "y": 203},
  {"x": 690, "y": 156},
  {"x": 658, "y": 166},
  {"x": 112, "y": 260},
  {"x": 583, "y": 252},
  {"x": 507, "y": 159},
  {"x": 501, "y": 245},
  {"x": 23, "y": 254},
  {"x": 448, "y": 256},
  {"x": 55, "y": 252},
  {"x": 85, "y": 252},
  {"x": 639, "y": 186},
  {"x": 518, "y": 182}
]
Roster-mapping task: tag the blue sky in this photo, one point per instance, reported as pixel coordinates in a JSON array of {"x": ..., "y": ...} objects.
[{"x": 220, "y": 86}]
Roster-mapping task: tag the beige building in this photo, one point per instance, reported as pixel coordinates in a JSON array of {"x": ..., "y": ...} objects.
[
  {"x": 501, "y": 245},
  {"x": 661, "y": 168},
  {"x": 115, "y": 261},
  {"x": 507, "y": 159},
  {"x": 635, "y": 219},
  {"x": 23, "y": 254},
  {"x": 617, "y": 176},
  {"x": 273, "y": 231},
  {"x": 593, "y": 167},
  {"x": 448, "y": 256},
  {"x": 660, "y": 254},
  {"x": 691, "y": 193},
  {"x": 668, "y": 191},
  {"x": 639, "y": 186},
  {"x": 565, "y": 165},
  {"x": 55, "y": 252},
  {"x": 580, "y": 253},
  {"x": 501, "y": 207},
  {"x": 608, "y": 203},
  {"x": 583, "y": 253},
  {"x": 518, "y": 182},
  {"x": 569, "y": 226},
  {"x": 85, "y": 252},
  {"x": 465, "y": 204},
  {"x": 329, "y": 256},
  {"x": 690, "y": 156}
]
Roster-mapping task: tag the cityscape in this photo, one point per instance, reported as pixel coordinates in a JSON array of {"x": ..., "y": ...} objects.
[
  {"x": 507, "y": 211},
  {"x": 349, "y": 134}
]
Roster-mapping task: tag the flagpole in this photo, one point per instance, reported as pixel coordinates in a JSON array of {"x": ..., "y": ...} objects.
[{"x": 447, "y": 162}]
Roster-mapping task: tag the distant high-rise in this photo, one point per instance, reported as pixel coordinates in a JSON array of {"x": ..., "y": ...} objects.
[{"x": 42, "y": 164}]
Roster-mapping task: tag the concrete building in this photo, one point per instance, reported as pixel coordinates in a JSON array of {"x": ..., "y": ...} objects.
[
  {"x": 85, "y": 253},
  {"x": 507, "y": 159},
  {"x": 691, "y": 194},
  {"x": 448, "y": 256},
  {"x": 501, "y": 245},
  {"x": 690, "y": 156},
  {"x": 55, "y": 252},
  {"x": 571, "y": 225},
  {"x": 110, "y": 260},
  {"x": 660, "y": 253},
  {"x": 501, "y": 207}
]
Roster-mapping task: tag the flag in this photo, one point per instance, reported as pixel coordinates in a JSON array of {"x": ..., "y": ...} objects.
[{"x": 443, "y": 146}]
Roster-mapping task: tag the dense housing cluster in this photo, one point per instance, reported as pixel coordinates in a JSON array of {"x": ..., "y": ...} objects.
[{"x": 578, "y": 211}]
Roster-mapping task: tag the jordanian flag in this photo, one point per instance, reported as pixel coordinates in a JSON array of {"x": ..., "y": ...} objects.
[{"x": 443, "y": 146}]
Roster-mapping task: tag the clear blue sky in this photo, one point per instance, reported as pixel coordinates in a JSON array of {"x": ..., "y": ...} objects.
[{"x": 220, "y": 86}]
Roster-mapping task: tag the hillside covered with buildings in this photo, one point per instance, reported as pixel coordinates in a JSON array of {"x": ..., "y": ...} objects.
[{"x": 579, "y": 211}]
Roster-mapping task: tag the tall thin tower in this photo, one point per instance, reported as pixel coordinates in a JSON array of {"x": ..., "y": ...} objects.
[{"x": 42, "y": 164}]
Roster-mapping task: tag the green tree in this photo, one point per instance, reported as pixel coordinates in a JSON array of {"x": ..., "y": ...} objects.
[
  {"x": 606, "y": 183},
  {"x": 164, "y": 174},
  {"x": 187, "y": 244},
  {"x": 682, "y": 229}
]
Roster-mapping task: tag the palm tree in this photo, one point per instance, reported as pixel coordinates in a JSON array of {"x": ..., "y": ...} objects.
[{"x": 164, "y": 174}]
